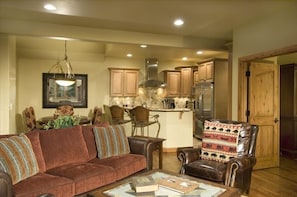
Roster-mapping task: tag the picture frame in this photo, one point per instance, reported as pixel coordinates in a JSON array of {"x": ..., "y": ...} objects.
[{"x": 54, "y": 95}]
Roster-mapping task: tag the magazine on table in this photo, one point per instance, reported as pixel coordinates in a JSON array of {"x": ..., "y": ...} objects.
[
  {"x": 178, "y": 184},
  {"x": 144, "y": 184}
]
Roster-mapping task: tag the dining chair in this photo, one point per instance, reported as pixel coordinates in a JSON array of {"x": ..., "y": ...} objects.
[
  {"x": 64, "y": 110},
  {"x": 141, "y": 118},
  {"x": 29, "y": 119}
]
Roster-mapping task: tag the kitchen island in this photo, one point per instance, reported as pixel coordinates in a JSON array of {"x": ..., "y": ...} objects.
[{"x": 176, "y": 128}]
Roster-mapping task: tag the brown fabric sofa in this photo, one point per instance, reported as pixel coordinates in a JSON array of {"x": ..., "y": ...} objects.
[{"x": 69, "y": 166}]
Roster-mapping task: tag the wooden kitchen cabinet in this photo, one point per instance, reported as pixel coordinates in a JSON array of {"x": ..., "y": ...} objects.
[
  {"x": 172, "y": 79},
  {"x": 196, "y": 77},
  {"x": 205, "y": 72},
  {"x": 123, "y": 82},
  {"x": 186, "y": 82}
]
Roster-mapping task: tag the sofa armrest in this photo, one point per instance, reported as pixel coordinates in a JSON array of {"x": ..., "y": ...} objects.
[
  {"x": 138, "y": 145},
  {"x": 141, "y": 145},
  {"x": 5, "y": 185},
  {"x": 6, "y": 189},
  {"x": 187, "y": 155},
  {"x": 239, "y": 173}
]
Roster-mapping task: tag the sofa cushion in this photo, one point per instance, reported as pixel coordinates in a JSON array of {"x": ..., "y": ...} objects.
[
  {"x": 123, "y": 165},
  {"x": 86, "y": 176},
  {"x": 220, "y": 141},
  {"x": 33, "y": 136},
  {"x": 44, "y": 183},
  {"x": 89, "y": 137},
  {"x": 111, "y": 141},
  {"x": 17, "y": 158},
  {"x": 63, "y": 146}
]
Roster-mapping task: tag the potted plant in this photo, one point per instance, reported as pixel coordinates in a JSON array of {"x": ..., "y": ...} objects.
[{"x": 62, "y": 121}]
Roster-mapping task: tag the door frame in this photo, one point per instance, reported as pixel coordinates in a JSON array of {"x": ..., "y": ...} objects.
[{"x": 243, "y": 63}]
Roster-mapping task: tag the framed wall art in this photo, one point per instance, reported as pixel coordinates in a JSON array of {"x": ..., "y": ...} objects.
[{"x": 54, "y": 95}]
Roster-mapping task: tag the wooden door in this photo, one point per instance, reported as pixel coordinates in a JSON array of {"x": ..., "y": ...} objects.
[{"x": 264, "y": 111}]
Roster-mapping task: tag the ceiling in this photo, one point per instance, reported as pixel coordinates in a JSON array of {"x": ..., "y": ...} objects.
[{"x": 208, "y": 26}]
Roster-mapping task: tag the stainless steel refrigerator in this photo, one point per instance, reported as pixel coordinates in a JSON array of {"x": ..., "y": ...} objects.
[{"x": 204, "y": 106}]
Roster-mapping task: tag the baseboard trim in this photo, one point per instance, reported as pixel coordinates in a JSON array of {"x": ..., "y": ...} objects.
[{"x": 169, "y": 150}]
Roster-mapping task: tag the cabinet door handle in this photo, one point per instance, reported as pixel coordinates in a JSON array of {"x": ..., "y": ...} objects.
[{"x": 275, "y": 120}]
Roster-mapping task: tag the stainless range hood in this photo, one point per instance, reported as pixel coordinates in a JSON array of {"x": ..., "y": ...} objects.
[{"x": 151, "y": 74}]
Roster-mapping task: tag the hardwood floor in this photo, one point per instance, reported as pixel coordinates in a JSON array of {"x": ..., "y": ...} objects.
[{"x": 271, "y": 182}]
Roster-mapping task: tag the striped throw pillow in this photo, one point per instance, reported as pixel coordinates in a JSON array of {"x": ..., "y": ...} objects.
[
  {"x": 17, "y": 158},
  {"x": 111, "y": 141}
]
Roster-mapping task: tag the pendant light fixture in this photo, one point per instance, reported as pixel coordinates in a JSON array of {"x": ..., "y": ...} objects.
[{"x": 63, "y": 78}]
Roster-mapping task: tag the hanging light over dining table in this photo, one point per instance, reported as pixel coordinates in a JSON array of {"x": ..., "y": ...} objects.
[{"x": 63, "y": 72}]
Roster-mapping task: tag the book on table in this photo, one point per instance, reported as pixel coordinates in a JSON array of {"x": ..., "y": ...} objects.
[
  {"x": 178, "y": 184},
  {"x": 144, "y": 184}
]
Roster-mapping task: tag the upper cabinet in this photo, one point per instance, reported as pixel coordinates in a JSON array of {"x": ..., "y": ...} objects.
[
  {"x": 205, "y": 72},
  {"x": 186, "y": 82},
  {"x": 123, "y": 82},
  {"x": 172, "y": 79},
  {"x": 179, "y": 81}
]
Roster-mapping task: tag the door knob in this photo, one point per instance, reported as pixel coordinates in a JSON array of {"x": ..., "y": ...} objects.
[{"x": 275, "y": 120}]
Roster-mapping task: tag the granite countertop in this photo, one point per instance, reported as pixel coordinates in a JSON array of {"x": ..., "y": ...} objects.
[{"x": 171, "y": 110}]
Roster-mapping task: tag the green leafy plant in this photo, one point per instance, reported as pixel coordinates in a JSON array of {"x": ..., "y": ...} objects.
[{"x": 62, "y": 122}]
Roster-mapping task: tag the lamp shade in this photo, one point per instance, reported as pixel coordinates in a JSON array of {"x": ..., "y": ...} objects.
[
  {"x": 65, "y": 82},
  {"x": 69, "y": 78}
]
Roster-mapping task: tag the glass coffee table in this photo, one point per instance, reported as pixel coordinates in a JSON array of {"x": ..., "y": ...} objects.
[{"x": 205, "y": 189}]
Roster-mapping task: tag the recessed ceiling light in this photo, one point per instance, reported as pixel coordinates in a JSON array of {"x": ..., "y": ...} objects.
[
  {"x": 184, "y": 58},
  {"x": 199, "y": 52},
  {"x": 178, "y": 22},
  {"x": 129, "y": 55},
  {"x": 50, "y": 7},
  {"x": 143, "y": 46}
]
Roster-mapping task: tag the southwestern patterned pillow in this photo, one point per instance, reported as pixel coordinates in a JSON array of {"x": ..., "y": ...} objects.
[
  {"x": 220, "y": 141},
  {"x": 111, "y": 141},
  {"x": 17, "y": 158}
]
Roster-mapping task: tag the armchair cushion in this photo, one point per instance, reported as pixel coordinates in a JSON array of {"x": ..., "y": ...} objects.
[
  {"x": 17, "y": 158},
  {"x": 111, "y": 141},
  {"x": 211, "y": 170},
  {"x": 224, "y": 141}
]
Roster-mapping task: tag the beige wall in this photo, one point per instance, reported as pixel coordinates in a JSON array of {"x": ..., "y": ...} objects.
[
  {"x": 29, "y": 80},
  {"x": 260, "y": 36},
  {"x": 7, "y": 83}
]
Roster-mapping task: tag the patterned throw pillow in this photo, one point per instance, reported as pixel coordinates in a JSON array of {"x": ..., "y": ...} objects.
[
  {"x": 17, "y": 158},
  {"x": 220, "y": 141},
  {"x": 111, "y": 141}
]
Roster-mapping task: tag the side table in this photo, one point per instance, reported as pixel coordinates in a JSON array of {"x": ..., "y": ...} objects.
[{"x": 155, "y": 144}]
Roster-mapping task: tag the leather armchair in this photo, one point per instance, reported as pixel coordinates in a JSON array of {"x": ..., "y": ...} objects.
[{"x": 234, "y": 173}]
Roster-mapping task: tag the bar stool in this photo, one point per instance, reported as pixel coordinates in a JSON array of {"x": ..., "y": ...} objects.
[
  {"x": 117, "y": 115},
  {"x": 141, "y": 118}
]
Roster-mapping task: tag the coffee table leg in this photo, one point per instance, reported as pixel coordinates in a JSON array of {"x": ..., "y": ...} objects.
[{"x": 161, "y": 155}]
